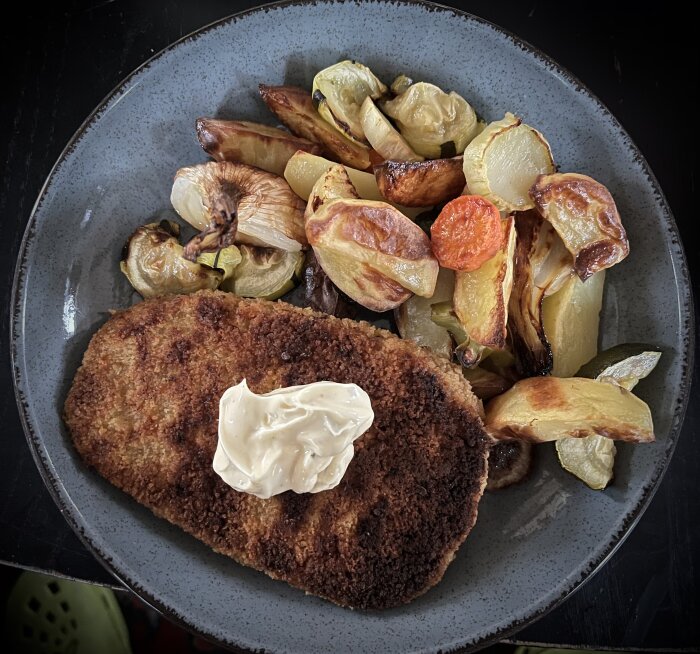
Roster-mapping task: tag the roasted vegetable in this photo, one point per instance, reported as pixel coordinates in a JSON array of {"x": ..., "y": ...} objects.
[
  {"x": 509, "y": 463},
  {"x": 400, "y": 84},
  {"x": 224, "y": 260},
  {"x": 254, "y": 144},
  {"x": 372, "y": 252},
  {"x": 541, "y": 409},
  {"x": 468, "y": 352},
  {"x": 382, "y": 136},
  {"x": 295, "y": 109},
  {"x": 413, "y": 317},
  {"x": 435, "y": 124},
  {"x": 585, "y": 216},
  {"x": 339, "y": 91},
  {"x": 542, "y": 266},
  {"x": 304, "y": 169},
  {"x": 485, "y": 383},
  {"x": 334, "y": 184},
  {"x": 265, "y": 273},
  {"x": 481, "y": 296},
  {"x": 503, "y": 162},
  {"x": 154, "y": 265},
  {"x": 570, "y": 318},
  {"x": 420, "y": 184},
  {"x": 467, "y": 233},
  {"x": 591, "y": 459},
  {"x": 321, "y": 294},
  {"x": 623, "y": 364},
  {"x": 232, "y": 201}
]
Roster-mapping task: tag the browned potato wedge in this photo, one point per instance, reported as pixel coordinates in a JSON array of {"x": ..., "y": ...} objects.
[
  {"x": 254, "y": 144},
  {"x": 294, "y": 107},
  {"x": 584, "y": 214},
  {"x": 532, "y": 351},
  {"x": 372, "y": 252},
  {"x": 334, "y": 184},
  {"x": 481, "y": 296},
  {"x": 420, "y": 183},
  {"x": 509, "y": 463},
  {"x": 542, "y": 409}
]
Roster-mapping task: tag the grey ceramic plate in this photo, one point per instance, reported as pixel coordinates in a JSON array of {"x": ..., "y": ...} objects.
[{"x": 532, "y": 544}]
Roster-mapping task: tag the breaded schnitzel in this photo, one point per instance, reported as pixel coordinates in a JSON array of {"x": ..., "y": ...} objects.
[{"x": 143, "y": 411}]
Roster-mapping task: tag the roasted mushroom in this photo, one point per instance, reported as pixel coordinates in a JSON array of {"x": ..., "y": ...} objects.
[
  {"x": 154, "y": 265},
  {"x": 338, "y": 93},
  {"x": 234, "y": 202},
  {"x": 435, "y": 124},
  {"x": 503, "y": 162},
  {"x": 295, "y": 109},
  {"x": 585, "y": 216},
  {"x": 254, "y": 144}
]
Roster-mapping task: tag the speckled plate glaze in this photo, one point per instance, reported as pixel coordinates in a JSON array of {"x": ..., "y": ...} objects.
[{"x": 533, "y": 544}]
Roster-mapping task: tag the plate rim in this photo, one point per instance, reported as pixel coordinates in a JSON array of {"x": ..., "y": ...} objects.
[{"x": 55, "y": 486}]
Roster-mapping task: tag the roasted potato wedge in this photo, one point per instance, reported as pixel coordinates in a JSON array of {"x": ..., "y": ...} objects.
[
  {"x": 509, "y": 463},
  {"x": 372, "y": 252},
  {"x": 334, "y": 184},
  {"x": 304, "y": 169},
  {"x": 570, "y": 319},
  {"x": 585, "y": 216},
  {"x": 503, "y": 162},
  {"x": 295, "y": 109},
  {"x": 413, "y": 317},
  {"x": 421, "y": 183},
  {"x": 254, "y": 144},
  {"x": 542, "y": 409},
  {"x": 481, "y": 296}
]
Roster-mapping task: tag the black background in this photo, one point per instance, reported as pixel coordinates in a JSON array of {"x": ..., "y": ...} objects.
[{"x": 59, "y": 62}]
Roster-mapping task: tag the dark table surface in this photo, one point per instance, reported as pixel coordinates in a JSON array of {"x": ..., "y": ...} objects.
[{"x": 59, "y": 63}]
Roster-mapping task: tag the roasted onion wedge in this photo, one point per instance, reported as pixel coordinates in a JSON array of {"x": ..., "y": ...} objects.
[
  {"x": 295, "y": 109},
  {"x": 532, "y": 350},
  {"x": 420, "y": 184},
  {"x": 154, "y": 265},
  {"x": 503, "y": 162},
  {"x": 485, "y": 383},
  {"x": 372, "y": 252},
  {"x": 542, "y": 409},
  {"x": 254, "y": 144},
  {"x": 414, "y": 322},
  {"x": 339, "y": 92},
  {"x": 585, "y": 216},
  {"x": 481, "y": 296},
  {"x": 234, "y": 202},
  {"x": 334, "y": 184},
  {"x": 382, "y": 135},
  {"x": 435, "y": 124}
]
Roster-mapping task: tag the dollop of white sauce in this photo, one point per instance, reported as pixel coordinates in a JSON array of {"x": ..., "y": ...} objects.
[{"x": 297, "y": 438}]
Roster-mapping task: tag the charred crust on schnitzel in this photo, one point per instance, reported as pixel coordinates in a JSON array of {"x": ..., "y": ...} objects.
[{"x": 143, "y": 411}]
